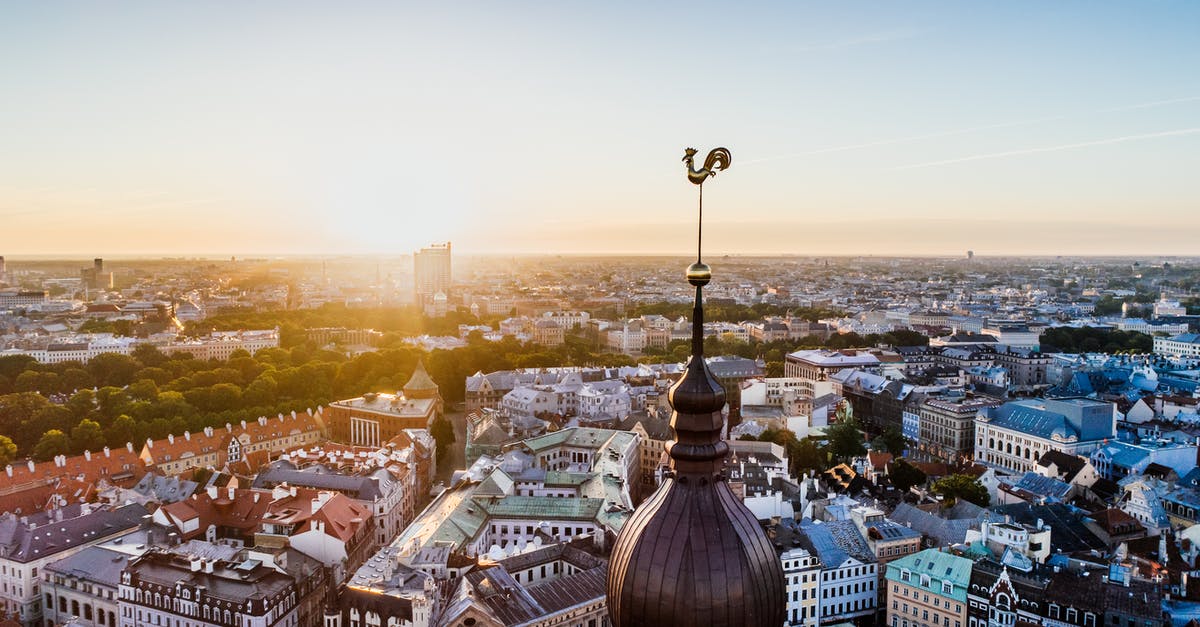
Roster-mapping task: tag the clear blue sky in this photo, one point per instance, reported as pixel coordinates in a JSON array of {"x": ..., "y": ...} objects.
[{"x": 291, "y": 127}]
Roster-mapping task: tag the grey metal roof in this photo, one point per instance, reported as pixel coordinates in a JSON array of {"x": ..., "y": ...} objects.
[
  {"x": 39, "y": 535},
  {"x": 1034, "y": 421},
  {"x": 94, "y": 565},
  {"x": 165, "y": 489},
  {"x": 834, "y": 542},
  {"x": 320, "y": 477}
]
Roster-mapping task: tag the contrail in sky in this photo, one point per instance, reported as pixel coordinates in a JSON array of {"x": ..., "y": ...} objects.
[
  {"x": 963, "y": 131},
  {"x": 1032, "y": 151}
]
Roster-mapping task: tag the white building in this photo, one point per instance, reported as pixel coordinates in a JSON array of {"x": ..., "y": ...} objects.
[
  {"x": 1016, "y": 434},
  {"x": 849, "y": 571},
  {"x": 44, "y": 537},
  {"x": 164, "y": 589},
  {"x": 802, "y": 578},
  {"x": 1182, "y": 345}
]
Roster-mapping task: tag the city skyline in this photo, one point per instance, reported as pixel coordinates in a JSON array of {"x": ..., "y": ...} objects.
[{"x": 202, "y": 130}]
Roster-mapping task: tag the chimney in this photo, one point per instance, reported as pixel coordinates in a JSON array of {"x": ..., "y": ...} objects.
[
  {"x": 208, "y": 565},
  {"x": 129, "y": 446},
  {"x": 87, "y": 455},
  {"x": 60, "y": 460},
  {"x": 208, "y": 431},
  {"x": 8, "y": 470},
  {"x": 195, "y": 563},
  {"x": 170, "y": 438},
  {"x": 243, "y": 425},
  {"x": 187, "y": 435},
  {"x": 256, "y": 495},
  {"x": 107, "y": 452},
  {"x": 212, "y": 492},
  {"x": 231, "y": 492},
  {"x": 262, "y": 420},
  {"x": 149, "y": 443}
]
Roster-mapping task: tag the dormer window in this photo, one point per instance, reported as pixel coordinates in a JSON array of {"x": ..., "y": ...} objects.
[{"x": 947, "y": 587}]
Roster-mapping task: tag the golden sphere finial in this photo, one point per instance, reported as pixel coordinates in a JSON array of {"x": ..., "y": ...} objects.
[{"x": 699, "y": 274}]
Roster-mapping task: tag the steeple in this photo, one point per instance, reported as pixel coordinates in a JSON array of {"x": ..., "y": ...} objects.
[
  {"x": 693, "y": 554},
  {"x": 420, "y": 385}
]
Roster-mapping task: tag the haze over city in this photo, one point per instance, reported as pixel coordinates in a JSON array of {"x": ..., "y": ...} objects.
[{"x": 928, "y": 128}]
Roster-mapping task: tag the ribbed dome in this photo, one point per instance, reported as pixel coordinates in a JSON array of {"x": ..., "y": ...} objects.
[{"x": 693, "y": 554}]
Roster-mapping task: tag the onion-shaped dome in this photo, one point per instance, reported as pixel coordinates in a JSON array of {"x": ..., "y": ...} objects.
[{"x": 693, "y": 554}]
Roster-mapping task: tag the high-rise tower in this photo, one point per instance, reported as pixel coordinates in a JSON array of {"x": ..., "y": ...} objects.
[
  {"x": 693, "y": 554},
  {"x": 431, "y": 273}
]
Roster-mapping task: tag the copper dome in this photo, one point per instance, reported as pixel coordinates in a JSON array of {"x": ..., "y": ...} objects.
[{"x": 693, "y": 554}]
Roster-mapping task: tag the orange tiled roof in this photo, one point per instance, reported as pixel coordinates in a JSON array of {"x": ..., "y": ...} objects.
[{"x": 23, "y": 484}]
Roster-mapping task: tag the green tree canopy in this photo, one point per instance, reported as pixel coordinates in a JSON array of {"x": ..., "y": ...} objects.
[
  {"x": 904, "y": 475},
  {"x": 8, "y": 450},
  {"x": 966, "y": 487},
  {"x": 52, "y": 444},
  {"x": 846, "y": 439},
  {"x": 87, "y": 436}
]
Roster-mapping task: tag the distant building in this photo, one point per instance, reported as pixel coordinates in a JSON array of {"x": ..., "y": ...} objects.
[
  {"x": 29, "y": 543},
  {"x": 849, "y": 583},
  {"x": 548, "y": 333},
  {"x": 928, "y": 588},
  {"x": 95, "y": 277},
  {"x": 554, "y": 585},
  {"x": 373, "y": 419},
  {"x": 161, "y": 588},
  {"x": 947, "y": 427},
  {"x": 819, "y": 364},
  {"x": 1016, "y": 434},
  {"x": 431, "y": 274},
  {"x": 83, "y": 589},
  {"x": 21, "y": 299},
  {"x": 1117, "y": 460},
  {"x": 1182, "y": 345}
]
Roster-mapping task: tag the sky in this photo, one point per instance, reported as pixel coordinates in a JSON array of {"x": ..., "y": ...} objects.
[{"x": 927, "y": 128}]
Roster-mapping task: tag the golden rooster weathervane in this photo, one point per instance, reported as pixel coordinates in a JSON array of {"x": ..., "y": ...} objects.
[{"x": 718, "y": 159}]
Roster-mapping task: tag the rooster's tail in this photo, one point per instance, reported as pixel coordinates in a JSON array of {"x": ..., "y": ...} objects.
[{"x": 718, "y": 159}]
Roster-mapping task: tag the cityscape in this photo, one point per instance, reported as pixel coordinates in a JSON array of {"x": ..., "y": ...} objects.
[{"x": 391, "y": 315}]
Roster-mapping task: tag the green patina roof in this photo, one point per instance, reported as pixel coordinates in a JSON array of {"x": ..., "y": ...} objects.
[
  {"x": 557, "y": 478},
  {"x": 541, "y": 508},
  {"x": 939, "y": 567},
  {"x": 583, "y": 437}
]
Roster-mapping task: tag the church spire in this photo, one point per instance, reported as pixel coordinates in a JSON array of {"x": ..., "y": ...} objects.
[{"x": 693, "y": 554}]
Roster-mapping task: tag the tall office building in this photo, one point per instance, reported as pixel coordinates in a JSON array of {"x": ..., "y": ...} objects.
[
  {"x": 95, "y": 277},
  {"x": 431, "y": 274}
]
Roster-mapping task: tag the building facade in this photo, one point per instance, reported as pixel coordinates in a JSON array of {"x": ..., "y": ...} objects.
[{"x": 928, "y": 588}]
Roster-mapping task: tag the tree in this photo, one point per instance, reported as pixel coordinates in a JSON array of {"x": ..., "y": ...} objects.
[
  {"x": 443, "y": 433},
  {"x": 8, "y": 450},
  {"x": 52, "y": 444},
  {"x": 122, "y": 431},
  {"x": 87, "y": 436},
  {"x": 964, "y": 487},
  {"x": 806, "y": 455},
  {"x": 891, "y": 440},
  {"x": 845, "y": 438},
  {"x": 113, "y": 369},
  {"x": 904, "y": 475}
]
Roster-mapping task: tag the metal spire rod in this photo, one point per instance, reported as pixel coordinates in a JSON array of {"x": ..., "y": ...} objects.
[{"x": 700, "y": 224}]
